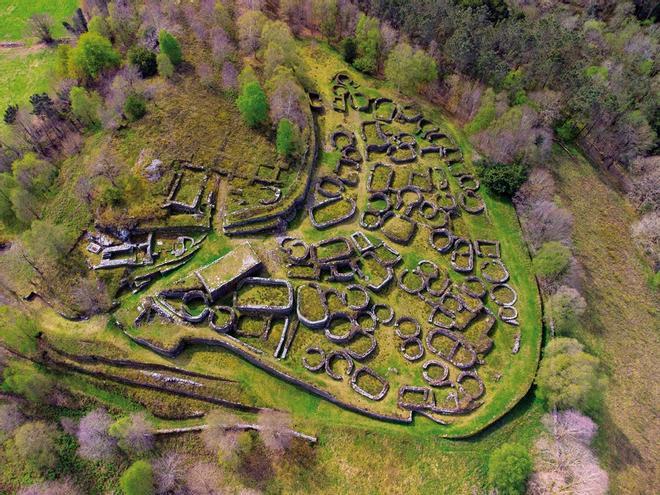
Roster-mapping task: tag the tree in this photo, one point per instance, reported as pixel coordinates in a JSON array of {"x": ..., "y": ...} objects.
[
  {"x": 134, "y": 434},
  {"x": 217, "y": 438},
  {"x": 286, "y": 98},
  {"x": 35, "y": 444},
  {"x": 252, "y": 104},
  {"x": 568, "y": 377},
  {"x": 229, "y": 76},
  {"x": 349, "y": 49},
  {"x": 33, "y": 174},
  {"x": 503, "y": 179},
  {"x": 92, "y": 55},
  {"x": 169, "y": 471},
  {"x": 288, "y": 139},
  {"x": 325, "y": 14},
  {"x": 165, "y": 66},
  {"x": 566, "y": 307},
  {"x": 99, "y": 25},
  {"x": 85, "y": 106},
  {"x": 551, "y": 260},
  {"x": 170, "y": 47},
  {"x": 138, "y": 479},
  {"x": 205, "y": 478},
  {"x": 249, "y": 30},
  {"x": 275, "y": 430},
  {"x": 26, "y": 380},
  {"x": 135, "y": 106},
  {"x": 11, "y": 418},
  {"x": 368, "y": 40},
  {"x": 57, "y": 487},
  {"x": 410, "y": 69},
  {"x": 509, "y": 466},
  {"x": 41, "y": 26},
  {"x": 93, "y": 437},
  {"x": 144, "y": 60}
]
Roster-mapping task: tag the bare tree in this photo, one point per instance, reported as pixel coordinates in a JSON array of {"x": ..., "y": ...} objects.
[
  {"x": 249, "y": 30},
  {"x": 547, "y": 222},
  {"x": 221, "y": 45},
  {"x": 645, "y": 175},
  {"x": 93, "y": 437},
  {"x": 275, "y": 430},
  {"x": 229, "y": 75},
  {"x": 217, "y": 438},
  {"x": 169, "y": 473},
  {"x": 646, "y": 233},
  {"x": 134, "y": 434},
  {"x": 58, "y": 487},
  {"x": 564, "y": 461},
  {"x": 205, "y": 478},
  {"x": 11, "y": 417},
  {"x": 286, "y": 99},
  {"x": 41, "y": 26}
]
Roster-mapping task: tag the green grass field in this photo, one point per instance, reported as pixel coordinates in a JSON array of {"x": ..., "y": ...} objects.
[
  {"x": 24, "y": 72},
  {"x": 15, "y": 14}
]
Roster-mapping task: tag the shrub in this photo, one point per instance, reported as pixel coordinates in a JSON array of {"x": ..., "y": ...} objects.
[
  {"x": 509, "y": 467},
  {"x": 165, "y": 66},
  {"x": 485, "y": 114},
  {"x": 57, "y": 487},
  {"x": 170, "y": 47},
  {"x": 566, "y": 307},
  {"x": 551, "y": 260},
  {"x": 138, "y": 479},
  {"x": 10, "y": 418},
  {"x": 144, "y": 60},
  {"x": 92, "y": 55},
  {"x": 135, "y": 107},
  {"x": 503, "y": 179},
  {"x": 252, "y": 104},
  {"x": 349, "y": 49},
  {"x": 41, "y": 26},
  {"x": 93, "y": 437},
  {"x": 26, "y": 380},
  {"x": 568, "y": 377},
  {"x": 288, "y": 140},
  {"x": 85, "y": 106},
  {"x": 35, "y": 444},
  {"x": 133, "y": 433}
]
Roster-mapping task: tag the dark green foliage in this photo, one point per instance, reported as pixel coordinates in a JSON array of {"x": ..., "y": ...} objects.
[
  {"x": 568, "y": 377},
  {"x": 144, "y": 60},
  {"x": 552, "y": 260},
  {"x": 509, "y": 467},
  {"x": 92, "y": 55},
  {"x": 170, "y": 46},
  {"x": 138, "y": 479},
  {"x": 26, "y": 380},
  {"x": 503, "y": 179},
  {"x": 368, "y": 41},
  {"x": 253, "y": 104},
  {"x": 135, "y": 106},
  {"x": 287, "y": 142},
  {"x": 349, "y": 49}
]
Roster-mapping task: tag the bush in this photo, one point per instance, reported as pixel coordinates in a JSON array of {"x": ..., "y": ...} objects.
[
  {"x": 26, "y": 380},
  {"x": 551, "y": 260},
  {"x": 170, "y": 47},
  {"x": 138, "y": 479},
  {"x": 349, "y": 49},
  {"x": 568, "y": 377},
  {"x": 509, "y": 467},
  {"x": 503, "y": 179},
  {"x": 566, "y": 307},
  {"x": 35, "y": 444},
  {"x": 252, "y": 104},
  {"x": 92, "y": 55},
  {"x": 93, "y": 437},
  {"x": 134, "y": 434},
  {"x": 144, "y": 60},
  {"x": 165, "y": 66},
  {"x": 288, "y": 139},
  {"x": 85, "y": 106},
  {"x": 135, "y": 107}
]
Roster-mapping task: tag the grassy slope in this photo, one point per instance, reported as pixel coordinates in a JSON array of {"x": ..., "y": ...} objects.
[
  {"x": 15, "y": 14},
  {"x": 622, "y": 326}
]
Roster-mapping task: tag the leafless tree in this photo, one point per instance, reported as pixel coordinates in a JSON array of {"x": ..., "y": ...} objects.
[
  {"x": 204, "y": 74},
  {"x": 11, "y": 417},
  {"x": 169, "y": 473},
  {"x": 564, "y": 461},
  {"x": 41, "y": 26},
  {"x": 222, "y": 46},
  {"x": 93, "y": 437},
  {"x": 135, "y": 434},
  {"x": 229, "y": 75},
  {"x": 275, "y": 430},
  {"x": 286, "y": 99},
  {"x": 217, "y": 439},
  {"x": 540, "y": 186},
  {"x": 249, "y": 26},
  {"x": 645, "y": 175},
  {"x": 389, "y": 36},
  {"x": 244, "y": 5},
  {"x": 90, "y": 296},
  {"x": 348, "y": 17},
  {"x": 547, "y": 222},
  {"x": 205, "y": 478},
  {"x": 646, "y": 233},
  {"x": 59, "y": 487}
]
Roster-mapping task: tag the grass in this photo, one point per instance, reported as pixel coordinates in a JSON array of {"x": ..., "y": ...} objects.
[
  {"x": 15, "y": 14},
  {"x": 621, "y": 326}
]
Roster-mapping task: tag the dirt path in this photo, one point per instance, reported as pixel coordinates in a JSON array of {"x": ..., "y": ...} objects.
[{"x": 623, "y": 323}]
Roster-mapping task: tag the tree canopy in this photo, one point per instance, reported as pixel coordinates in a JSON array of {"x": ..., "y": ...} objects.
[
  {"x": 91, "y": 56},
  {"x": 509, "y": 467},
  {"x": 253, "y": 104},
  {"x": 410, "y": 69}
]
